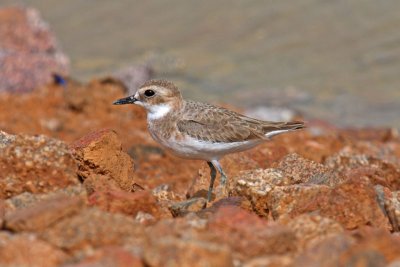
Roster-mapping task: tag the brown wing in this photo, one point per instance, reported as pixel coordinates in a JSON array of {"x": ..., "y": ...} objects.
[
  {"x": 215, "y": 124},
  {"x": 210, "y": 123}
]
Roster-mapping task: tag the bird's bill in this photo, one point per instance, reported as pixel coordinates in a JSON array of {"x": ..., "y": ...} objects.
[{"x": 126, "y": 100}]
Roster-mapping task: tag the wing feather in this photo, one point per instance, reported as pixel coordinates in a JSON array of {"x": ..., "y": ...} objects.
[{"x": 215, "y": 124}]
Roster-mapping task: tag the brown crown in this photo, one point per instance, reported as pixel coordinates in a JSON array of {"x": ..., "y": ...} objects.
[{"x": 161, "y": 83}]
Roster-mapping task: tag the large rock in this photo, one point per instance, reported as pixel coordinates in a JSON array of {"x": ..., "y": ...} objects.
[
  {"x": 351, "y": 164},
  {"x": 43, "y": 214},
  {"x": 102, "y": 163},
  {"x": 374, "y": 248},
  {"x": 255, "y": 186},
  {"x": 29, "y": 53},
  {"x": 26, "y": 199},
  {"x": 93, "y": 228},
  {"x": 184, "y": 242},
  {"x": 326, "y": 252},
  {"x": 174, "y": 251},
  {"x": 110, "y": 256},
  {"x": 128, "y": 203},
  {"x": 311, "y": 229},
  {"x": 26, "y": 250},
  {"x": 354, "y": 204},
  {"x": 248, "y": 235},
  {"x": 34, "y": 164},
  {"x": 285, "y": 202},
  {"x": 296, "y": 170},
  {"x": 292, "y": 176}
]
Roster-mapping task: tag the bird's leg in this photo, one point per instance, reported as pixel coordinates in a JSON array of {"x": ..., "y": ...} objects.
[
  {"x": 213, "y": 174},
  {"x": 221, "y": 171}
]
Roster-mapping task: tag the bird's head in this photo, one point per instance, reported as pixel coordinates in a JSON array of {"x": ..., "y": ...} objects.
[{"x": 158, "y": 97}]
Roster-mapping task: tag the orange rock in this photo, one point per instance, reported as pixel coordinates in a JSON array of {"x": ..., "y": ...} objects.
[
  {"x": 284, "y": 202},
  {"x": 93, "y": 228},
  {"x": 110, "y": 256},
  {"x": 296, "y": 170},
  {"x": 100, "y": 153},
  {"x": 28, "y": 250},
  {"x": 375, "y": 247},
  {"x": 248, "y": 235},
  {"x": 34, "y": 164},
  {"x": 174, "y": 251},
  {"x": 354, "y": 204},
  {"x": 2, "y": 211},
  {"x": 326, "y": 252},
  {"x": 311, "y": 229},
  {"x": 127, "y": 203},
  {"x": 350, "y": 164},
  {"x": 39, "y": 216}
]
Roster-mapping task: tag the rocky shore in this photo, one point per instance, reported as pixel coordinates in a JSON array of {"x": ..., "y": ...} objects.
[{"x": 83, "y": 184}]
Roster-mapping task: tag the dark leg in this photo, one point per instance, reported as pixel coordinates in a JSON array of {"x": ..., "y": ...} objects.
[
  {"x": 213, "y": 174},
  {"x": 221, "y": 171}
]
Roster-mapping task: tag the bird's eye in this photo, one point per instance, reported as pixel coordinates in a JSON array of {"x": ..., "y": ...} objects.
[{"x": 149, "y": 93}]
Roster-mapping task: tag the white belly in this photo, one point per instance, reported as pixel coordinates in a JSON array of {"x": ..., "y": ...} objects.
[{"x": 196, "y": 149}]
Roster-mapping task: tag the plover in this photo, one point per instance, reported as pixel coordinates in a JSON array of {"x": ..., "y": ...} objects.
[{"x": 197, "y": 130}]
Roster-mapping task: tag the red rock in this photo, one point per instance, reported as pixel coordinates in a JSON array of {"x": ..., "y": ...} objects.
[
  {"x": 255, "y": 185},
  {"x": 240, "y": 202},
  {"x": 28, "y": 250},
  {"x": 354, "y": 204},
  {"x": 2, "y": 212},
  {"x": 374, "y": 248},
  {"x": 270, "y": 261},
  {"x": 100, "y": 153},
  {"x": 43, "y": 214},
  {"x": 325, "y": 253},
  {"x": 26, "y": 199},
  {"x": 29, "y": 51},
  {"x": 371, "y": 134},
  {"x": 175, "y": 251},
  {"x": 93, "y": 228},
  {"x": 233, "y": 218},
  {"x": 110, "y": 257},
  {"x": 184, "y": 207},
  {"x": 290, "y": 201},
  {"x": 310, "y": 229},
  {"x": 379, "y": 171},
  {"x": 34, "y": 164},
  {"x": 100, "y": 183},
  {"x": 126, "y": 202},
  {"x": 248, "y": 235},
  {"x": 296, "y": 170}
]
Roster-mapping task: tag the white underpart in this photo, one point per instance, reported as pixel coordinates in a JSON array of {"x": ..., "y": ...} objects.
[
  {"x": 155, "y": 112},
  {"x": 197, "y": 149},
  {"x": 273, "y": 133}
]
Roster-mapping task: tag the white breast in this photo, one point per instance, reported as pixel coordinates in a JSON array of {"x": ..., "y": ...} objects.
[{"x": 157, "y": 111}]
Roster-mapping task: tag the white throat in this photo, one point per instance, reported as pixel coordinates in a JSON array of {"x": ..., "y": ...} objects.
[{"x": 158, "y": 111}]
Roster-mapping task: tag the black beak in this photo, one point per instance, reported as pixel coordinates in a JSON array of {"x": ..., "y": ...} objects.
[{"x": 126, "y": 100}]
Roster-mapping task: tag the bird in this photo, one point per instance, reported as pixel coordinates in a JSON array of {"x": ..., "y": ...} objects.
[{"x": 196, "y": 130}]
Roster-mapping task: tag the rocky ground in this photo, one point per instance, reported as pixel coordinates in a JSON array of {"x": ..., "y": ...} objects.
[{"x": 83, "y": 184}]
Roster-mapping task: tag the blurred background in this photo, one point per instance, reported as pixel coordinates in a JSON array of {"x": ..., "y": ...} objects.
[{"x": 333, "y": 60}]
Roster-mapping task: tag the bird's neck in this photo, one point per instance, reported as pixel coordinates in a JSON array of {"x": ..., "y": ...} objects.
[{"x": 163, "y": 110}]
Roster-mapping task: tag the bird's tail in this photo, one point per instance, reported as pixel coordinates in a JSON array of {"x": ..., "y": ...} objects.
[{"x": 272, "y": 129}]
